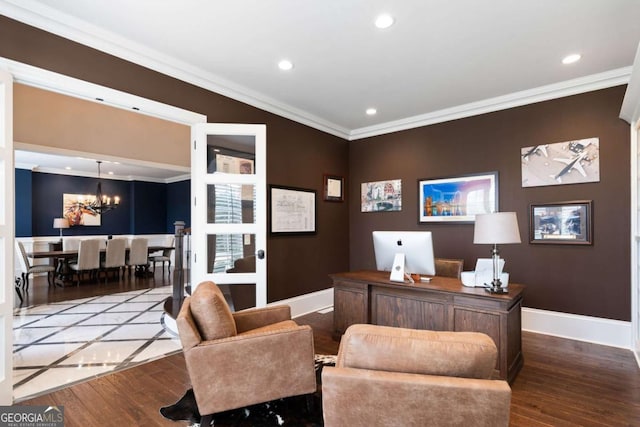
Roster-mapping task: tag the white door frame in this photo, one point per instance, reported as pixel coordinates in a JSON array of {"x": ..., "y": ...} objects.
[
  {"x": 7, "y": 234},
  {"x": 47, "y": 80}
]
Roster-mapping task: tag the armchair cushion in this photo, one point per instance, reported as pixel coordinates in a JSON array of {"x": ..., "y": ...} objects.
[
  {"x": 211, "y": 313},
  {"x": 383, "y": 348}
]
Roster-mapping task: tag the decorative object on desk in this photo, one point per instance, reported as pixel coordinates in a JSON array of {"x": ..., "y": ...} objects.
[
  {"x": 333, "y": 188},
  {"x": 60, "y": 223},
  {"x": 567, "y": 223},
  {"x": 569, "y": 162},
  {"x": 457, "y": 199},
  {"x": 292, "y": 210},
  {"x": 77, "y": 210},
  {"x": 103, "y": 203},
  {"x": 494, "y": 229},
  {"x": 379, "y": 196}
]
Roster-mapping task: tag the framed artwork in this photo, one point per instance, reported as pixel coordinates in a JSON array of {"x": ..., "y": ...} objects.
[
  {"x": 457, "y": 199},
  {"x": 381, "y": 196},
  {"x": 292, "y": 210},
  {"x": 567, "y": 223},
  {"x": 77, "y": 209},
  {"x": 569, "y": 162},
  {"x": 333, "y": 188}
]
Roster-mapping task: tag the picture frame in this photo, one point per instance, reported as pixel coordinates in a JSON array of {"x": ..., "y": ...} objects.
[
  {"x": 292, "y": 210},
  {"x": 381, "y": 196},
  {"x": 333, "y": 188},
  {"x": 562, "y": 223},
  {"x": 457, "y": 199}
]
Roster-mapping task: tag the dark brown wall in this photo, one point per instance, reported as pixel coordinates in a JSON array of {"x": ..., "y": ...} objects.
[
  {"x": 588, "y": 280},
  {"x": 296, "y": 154}
]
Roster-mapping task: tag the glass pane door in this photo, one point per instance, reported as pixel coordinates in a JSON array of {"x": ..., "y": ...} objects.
[{"x": 229, "y": 213}]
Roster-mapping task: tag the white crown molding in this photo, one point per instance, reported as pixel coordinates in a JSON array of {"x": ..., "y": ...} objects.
[
  {"x": 48, "y": 19},
  {"x": 517, "y": 99},
  {"x": 74, "y": 153},
  {"x": 630, "y": 110}
]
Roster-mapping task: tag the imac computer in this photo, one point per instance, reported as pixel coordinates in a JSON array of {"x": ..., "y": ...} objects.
[{"x": 404, "y": 253}]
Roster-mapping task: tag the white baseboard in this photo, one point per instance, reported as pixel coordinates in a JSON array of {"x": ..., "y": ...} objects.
[
  {"x": 308, "y": 303},
  {"x": 615, "y": 333}
]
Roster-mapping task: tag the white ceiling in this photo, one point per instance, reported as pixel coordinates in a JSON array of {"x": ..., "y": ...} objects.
[
  {"x": 79, "y": 165},
  {"x": 440, "y": 61}
]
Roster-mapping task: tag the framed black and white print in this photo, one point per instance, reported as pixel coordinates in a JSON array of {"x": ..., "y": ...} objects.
[{"x": 567, "y": 223}]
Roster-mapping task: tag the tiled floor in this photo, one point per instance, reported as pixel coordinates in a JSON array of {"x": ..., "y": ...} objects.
[{"x": 56, "y": 345}]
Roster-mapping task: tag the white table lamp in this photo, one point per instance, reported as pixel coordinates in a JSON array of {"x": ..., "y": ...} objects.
[
  {"x": 60, "y": 223},
  {"x": 496, "y": 229}
]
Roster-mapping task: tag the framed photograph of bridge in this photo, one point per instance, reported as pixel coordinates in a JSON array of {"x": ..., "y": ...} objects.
[
  {"x": 457, "y": 199},
  {"x": 567, "y": 223}
]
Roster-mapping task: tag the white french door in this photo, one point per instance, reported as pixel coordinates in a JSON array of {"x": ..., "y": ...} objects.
[
  {"x": 6, "y": 238},
  {"x": 229, "y": 203}
]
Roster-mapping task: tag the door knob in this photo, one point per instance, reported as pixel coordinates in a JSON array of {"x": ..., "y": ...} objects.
[{"x": 260, "y": 254}]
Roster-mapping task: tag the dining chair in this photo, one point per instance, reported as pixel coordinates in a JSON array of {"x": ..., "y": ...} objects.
[
  {"x": 164, "y": 257},
  {"x": 28, "y": 268},
  {"x": 88, "y": 258},
  {"x": 138, "y": 255},
  {"x": 114, "y": 259}
]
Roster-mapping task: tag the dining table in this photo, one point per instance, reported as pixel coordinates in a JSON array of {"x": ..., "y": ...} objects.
[{"x": 61, "y": 259}]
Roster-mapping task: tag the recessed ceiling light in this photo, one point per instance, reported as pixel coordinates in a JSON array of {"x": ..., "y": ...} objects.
[
  {"x": 371, "y": 111},
  {"x": 570, "y": 59},
  {"x": 68, "y": 168},
  {"x": 285, "y": 65},
  {"x": 384, "y": 21},
  {"x": 110, "y": 172}
]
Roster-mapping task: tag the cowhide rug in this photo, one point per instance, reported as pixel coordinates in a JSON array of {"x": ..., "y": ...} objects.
[{"x": 290, "y": 411}]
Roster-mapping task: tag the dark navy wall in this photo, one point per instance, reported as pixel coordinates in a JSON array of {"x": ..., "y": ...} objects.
[
  {"x": 149, "y": 208},
  {"x": 143, "y": 206},
  {"x": 178, "y": 204},
  {"x": 23, "y": 203}
]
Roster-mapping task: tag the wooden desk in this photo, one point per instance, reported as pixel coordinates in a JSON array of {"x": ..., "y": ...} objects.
[{"x": 443, "y": 304}]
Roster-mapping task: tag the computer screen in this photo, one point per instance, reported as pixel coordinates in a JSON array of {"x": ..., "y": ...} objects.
[{"x": 417, "y": 247}]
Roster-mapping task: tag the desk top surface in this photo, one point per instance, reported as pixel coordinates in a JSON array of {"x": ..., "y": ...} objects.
[{"x": 437, "y": 283}]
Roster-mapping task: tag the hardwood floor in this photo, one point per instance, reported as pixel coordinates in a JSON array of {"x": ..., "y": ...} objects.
[
  {"x": 562, "y": 383},
  {"x": 41, "y": 293}
]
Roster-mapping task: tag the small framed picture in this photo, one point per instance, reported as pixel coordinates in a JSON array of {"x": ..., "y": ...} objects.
[
  {"x": 333, "y": 188},
  {"x": 567, "y": 223}
]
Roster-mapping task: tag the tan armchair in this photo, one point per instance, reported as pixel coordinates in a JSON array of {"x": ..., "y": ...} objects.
[
  {"x": 393, "y": 376},
  {"x": 243, "y": 358}
]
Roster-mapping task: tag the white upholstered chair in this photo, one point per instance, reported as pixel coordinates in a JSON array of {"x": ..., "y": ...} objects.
[
  {"x": 28, "y": 268},
  {"x": 88, "y": 258},
  {"x": 138, "y": 254},
  {"x": 114, "y": 258}
]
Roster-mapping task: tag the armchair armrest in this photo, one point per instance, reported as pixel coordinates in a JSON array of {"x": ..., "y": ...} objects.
[
  {"x": 258, "y": 317},
  {"x": 411, "y": 399},
  {"x": 187, "y": 329},
  {"x": 241, "y": 370}
]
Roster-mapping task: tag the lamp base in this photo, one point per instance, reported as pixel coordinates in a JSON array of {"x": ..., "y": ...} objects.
[
  {"x": 499, "y": 290},
  {"x": 496, "y": 287}
]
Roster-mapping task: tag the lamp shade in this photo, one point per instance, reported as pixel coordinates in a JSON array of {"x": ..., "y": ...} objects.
[
  {"x": 496, "y": 228},
  {"x": 60, "y": 223}
]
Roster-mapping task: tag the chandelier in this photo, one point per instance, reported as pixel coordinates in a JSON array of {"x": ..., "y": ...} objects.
[{"x": 103, "y": 203}]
